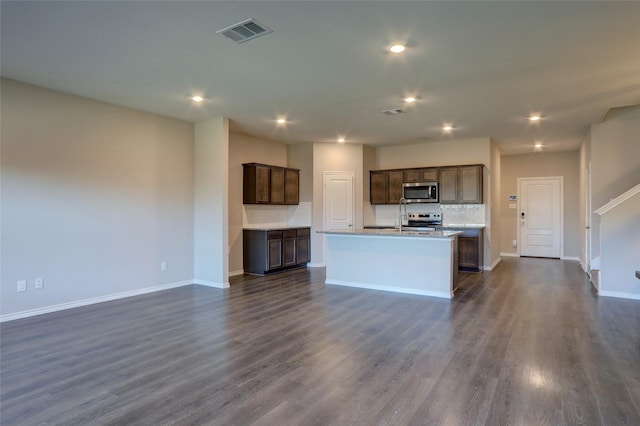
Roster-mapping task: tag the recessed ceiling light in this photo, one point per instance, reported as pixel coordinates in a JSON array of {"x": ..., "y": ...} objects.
[
  {"x": 397, "y": 48},
  {"x": 538, "y": 145},
  {"x": 281, "y": 121},
  {"x": 447, "y": 128},
  {"x": 341, "y": 139},
  {"x": 410, "y": 100},
  {"x": 197, "y": 99},
  {"x": 535, "y": 117}
]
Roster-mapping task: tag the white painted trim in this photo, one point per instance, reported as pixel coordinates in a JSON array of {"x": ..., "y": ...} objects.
[
  {"x": 573, "y": 258},
  {"x": 561, "y": 179},
  {"x": 316, "y": 265},
  {"x": 211, "y": 284},
  {"x": 503, "y": 254},
  {"x": 92, "y": 301},
  {"x": 619, "y": 294},
  {"x": 393, "y": 289},
  {"x": 236, "y": 273},
  {"x": 493, "y": 265},
  {"x": 618, "y": 200}
]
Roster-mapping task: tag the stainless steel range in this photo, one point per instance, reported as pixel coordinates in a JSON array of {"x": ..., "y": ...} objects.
[{"x": 424, "y": 221}]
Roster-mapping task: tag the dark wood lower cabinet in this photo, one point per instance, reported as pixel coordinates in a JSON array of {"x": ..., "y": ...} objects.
[
  {"x": 267, "y": 251},
  {"x": 470, "y": 248}
]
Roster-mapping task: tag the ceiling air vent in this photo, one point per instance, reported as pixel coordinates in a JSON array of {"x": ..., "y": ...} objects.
[
  {"x": 394, "y": 111},
  {"x": 245, "y": 31}
]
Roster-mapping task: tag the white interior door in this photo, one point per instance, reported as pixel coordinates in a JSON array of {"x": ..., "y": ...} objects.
[
  {"x": 540, "y": 216},
  {"x": 338, "y": 200}
]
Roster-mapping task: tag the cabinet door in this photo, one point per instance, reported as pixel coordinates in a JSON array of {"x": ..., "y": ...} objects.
[
  {"x": 394, "y": 186},
  {"x": 274, "y": 253},
  {"x": 303, "y": 250},
  {"x": 289, "y": 251},
  {"x": 377, "y": 187},
  {"x": 256, "y": 184},
  {"x": 429, "y": 175},
  {"x": 277, "y": 186},
  {"x": 291, "y": 186},
  {"x": 412, "y": 176},
  {"x": 470, "y": 185},
  {"x": 468, "y": 252},
  {"x": 448, "y": 185}
]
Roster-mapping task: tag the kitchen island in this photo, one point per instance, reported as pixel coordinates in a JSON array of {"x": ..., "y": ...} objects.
[{"x": 415, "y": 262}]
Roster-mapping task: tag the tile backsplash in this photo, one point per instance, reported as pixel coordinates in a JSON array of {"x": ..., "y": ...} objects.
[{"x": 452, "y": 214}]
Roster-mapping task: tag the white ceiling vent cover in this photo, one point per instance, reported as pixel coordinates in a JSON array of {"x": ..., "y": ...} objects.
[
  {"x": 394, "y": 111},
  {"x": 245, "y": 31}
]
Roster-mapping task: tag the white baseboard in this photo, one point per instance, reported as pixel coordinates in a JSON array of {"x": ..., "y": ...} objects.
[
  {"x": 503, "y": 254},
  {"x": 91, "y": 301},
  {"x": 316, "y": 265},
  {"x": 619, "y": 294},
  {"x": 236, "y": 273},
  {"x": 441, "y": 294},
  {"x": 211, "y": 284},
  {"x": 574, "y": 258},
  {"x": 492, "y": 266}
]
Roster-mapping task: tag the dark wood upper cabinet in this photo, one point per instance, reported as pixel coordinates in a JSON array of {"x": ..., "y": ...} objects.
[
  {"x": 461, "y": 184},
  {"x": 470, "y": 184},
  {"x": 264, "y": 184},
  {"x": 378, "y": 187},
  {"x": 291, "y": 186},
  {"x": 394, "y": 186},
  {"x": 412, "y": 176},
  {"x": 448, "y": 185},
  {"x": 429, "y": 175}
]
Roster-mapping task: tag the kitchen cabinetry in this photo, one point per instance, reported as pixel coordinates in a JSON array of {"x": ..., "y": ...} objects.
[
  {"x": 266, "y": 251},
  {"x": 460, "y": 184},
  {"x": 421, "y": 175},
  {"x": 394, "y": 186},
  {"x": 265, "y": 184},
  {"x": 378, "y": 187},
  {"x": 470, "y": 248}
]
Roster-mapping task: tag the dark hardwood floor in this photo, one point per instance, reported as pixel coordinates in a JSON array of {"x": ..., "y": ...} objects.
[{"x": 527, "y": 344}]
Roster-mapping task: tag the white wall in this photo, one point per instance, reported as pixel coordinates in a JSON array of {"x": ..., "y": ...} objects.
[
  {"x": 249, "y": 149},
  {"x": 615, "y": 161},
  {"x": 94, "y": 198},
  {"x": 541, "y": 164},
  {"x": 334, "y": 157},
  {"x": 211, "y": 213},
  {"x": 620, "y": 248}
]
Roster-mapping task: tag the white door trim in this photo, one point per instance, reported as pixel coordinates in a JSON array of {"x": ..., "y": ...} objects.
[{"x": 533, "y": 179}]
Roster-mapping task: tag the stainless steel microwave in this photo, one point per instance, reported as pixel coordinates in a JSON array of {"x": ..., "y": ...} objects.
[{"x": 421, "y": 192}]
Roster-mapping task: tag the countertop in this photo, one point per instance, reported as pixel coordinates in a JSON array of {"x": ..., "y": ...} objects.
[
  {"x": 392, "y": 233},
  {"x": 273, "y": 228},
  {"x": 448, "y": 226}
]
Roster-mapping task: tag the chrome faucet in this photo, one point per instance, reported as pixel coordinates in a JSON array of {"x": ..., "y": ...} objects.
[{"x": 403, "y": 217}]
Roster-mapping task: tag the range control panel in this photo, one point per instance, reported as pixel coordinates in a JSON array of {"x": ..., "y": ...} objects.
[{"x": 425, "y": 217}]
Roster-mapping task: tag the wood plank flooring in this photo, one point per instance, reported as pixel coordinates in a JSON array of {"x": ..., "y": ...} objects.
[{"x": 526, "y": 344}]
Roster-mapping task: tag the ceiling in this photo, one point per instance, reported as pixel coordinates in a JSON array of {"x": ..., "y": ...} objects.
[{"x": 482, "y": 66}]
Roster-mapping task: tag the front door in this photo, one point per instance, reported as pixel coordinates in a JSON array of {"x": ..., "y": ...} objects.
[
  {"x": 540, "y": 216},
  {"x": 338, "y": 200}
]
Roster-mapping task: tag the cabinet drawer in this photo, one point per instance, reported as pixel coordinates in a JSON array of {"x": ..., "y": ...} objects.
[
  {"x": 274, "y": 235},
  {"x": 289, "y": 233},
  {"x": 303, "y": 232}
]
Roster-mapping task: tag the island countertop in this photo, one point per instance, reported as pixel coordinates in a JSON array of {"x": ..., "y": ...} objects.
[{"x": 393, "y": 233}]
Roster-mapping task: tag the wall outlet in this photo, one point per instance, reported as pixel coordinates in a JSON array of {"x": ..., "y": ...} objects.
[
  {"x": 163, "y": 266},
  {"x": 39, "y": 283},
  {"x": 22, "y": 286},
  {"x": 514, "y": 243}
]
